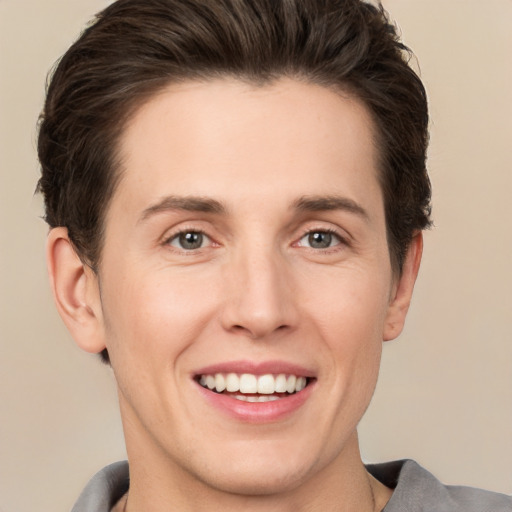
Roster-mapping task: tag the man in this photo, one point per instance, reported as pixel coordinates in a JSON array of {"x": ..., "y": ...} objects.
[{"x": 236, "y": 191}]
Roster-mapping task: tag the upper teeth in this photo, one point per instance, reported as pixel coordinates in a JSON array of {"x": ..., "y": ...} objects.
[{"x": 249, "y": 383}]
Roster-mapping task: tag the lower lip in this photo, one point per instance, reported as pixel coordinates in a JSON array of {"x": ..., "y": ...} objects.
[{"x": 257, "y": 412}]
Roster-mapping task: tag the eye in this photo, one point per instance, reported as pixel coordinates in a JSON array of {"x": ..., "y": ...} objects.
[
  {"x": 320, "y": 239},
  {"x": 189, "y": 240}
]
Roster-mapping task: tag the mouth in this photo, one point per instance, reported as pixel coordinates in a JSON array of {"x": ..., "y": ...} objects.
[{"x": 248, "y": 387}]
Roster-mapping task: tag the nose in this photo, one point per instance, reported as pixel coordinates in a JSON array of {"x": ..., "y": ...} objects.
[{"x": 259, "y": 297}]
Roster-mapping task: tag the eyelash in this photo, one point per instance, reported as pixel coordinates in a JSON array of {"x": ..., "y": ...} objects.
[
  {"x": 328, "y": 231},
  {"x": 325, "y": 231},
  {"x": 175, "y": 236}
]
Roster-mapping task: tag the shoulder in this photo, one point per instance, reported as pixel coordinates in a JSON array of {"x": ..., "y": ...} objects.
[
  {"x": 104, "y": 489},
  {"x": 417, "y": 490}
]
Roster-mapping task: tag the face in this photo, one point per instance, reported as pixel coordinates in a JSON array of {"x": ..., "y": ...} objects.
[{"x": 245, "y": 283}]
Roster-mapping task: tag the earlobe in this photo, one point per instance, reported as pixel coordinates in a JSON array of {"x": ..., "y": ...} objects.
[
  {"x": 76, "y": 292},
  {"x": 402, "y": 291}
]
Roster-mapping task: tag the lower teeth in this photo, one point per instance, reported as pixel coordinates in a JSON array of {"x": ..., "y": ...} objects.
[{"x": 253, "y": 398}]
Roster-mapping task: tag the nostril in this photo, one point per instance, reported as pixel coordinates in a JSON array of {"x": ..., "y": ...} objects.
[{"x": 257, "y": 333}]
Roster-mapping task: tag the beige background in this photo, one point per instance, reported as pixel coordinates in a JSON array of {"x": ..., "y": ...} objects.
[{"x": 445, "y": 392}]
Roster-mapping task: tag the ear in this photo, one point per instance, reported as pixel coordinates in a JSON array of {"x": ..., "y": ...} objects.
[
  {"x": 402, "y": 290},
  {"x": 75, "y": 289}
]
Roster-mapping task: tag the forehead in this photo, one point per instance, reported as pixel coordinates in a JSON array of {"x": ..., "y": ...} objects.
[{"x": 227, "y": 137}]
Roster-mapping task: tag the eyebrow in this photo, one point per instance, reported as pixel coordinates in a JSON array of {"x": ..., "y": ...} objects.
[
  {"x": 208, "y": 205},
  {"x": 326, "y": 203},
  {"x": 186, "y": 203}
]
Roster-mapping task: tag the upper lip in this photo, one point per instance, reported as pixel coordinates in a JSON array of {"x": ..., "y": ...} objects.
[{"x": 256, "y": 368}]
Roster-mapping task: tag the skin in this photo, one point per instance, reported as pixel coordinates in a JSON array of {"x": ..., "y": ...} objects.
[{"x": 256, "y": 290}]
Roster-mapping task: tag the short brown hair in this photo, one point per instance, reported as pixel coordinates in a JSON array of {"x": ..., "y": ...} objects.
[{"x": 136, "y": 47}]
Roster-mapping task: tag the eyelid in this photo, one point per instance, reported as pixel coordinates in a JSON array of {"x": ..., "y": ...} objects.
[
  {"x": 205, "y": 239},
  {"x": 339, "y": 233},
  {"x": 173, "y": 234},
  {"x": 326, "y": 231},
  {"x": 342, "y": 237},
  {"x": 342, "y": 242}
]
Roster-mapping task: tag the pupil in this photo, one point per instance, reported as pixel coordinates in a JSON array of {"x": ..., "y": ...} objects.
[
  {"x": 320, "y": 240},
  {"x": 191, "y": 240}
]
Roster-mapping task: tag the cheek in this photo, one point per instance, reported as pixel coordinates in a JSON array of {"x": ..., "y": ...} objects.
[
  {"x": 350, "y": 315},
  {"x": 151, "y": 322},
  {"x": 351, "y": 304},
  {"x": 357, "y": 350},
  {"x": 154, "y": 318}
]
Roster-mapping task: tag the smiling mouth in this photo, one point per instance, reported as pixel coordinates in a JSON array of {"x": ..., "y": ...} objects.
[{"x": 248, "y": 387}]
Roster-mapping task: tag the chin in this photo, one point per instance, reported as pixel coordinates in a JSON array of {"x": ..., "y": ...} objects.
[
  {"x": 255, "y": 473},
  {"x": 261, "y": 481}
]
